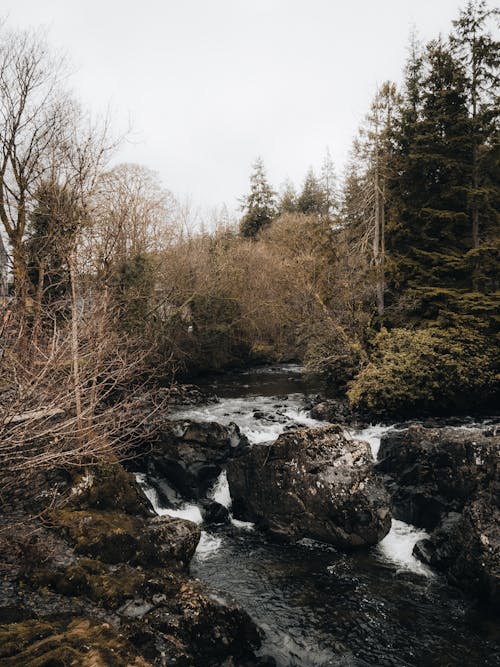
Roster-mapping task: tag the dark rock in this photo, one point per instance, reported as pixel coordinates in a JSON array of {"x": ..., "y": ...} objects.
[
  {"x": 189, "y": 394},
  {"x": 433, "y": 471},
  {"x": 335, "y": 411},
  {"x": 110, "y": 487},
  {"x": 190, "y": 455},
  {"x": 114, "y": 537},
  {"x": 213, "y": 512},
  {"x": 466, "y": 547},
  {"x": 314, "y": 483}
]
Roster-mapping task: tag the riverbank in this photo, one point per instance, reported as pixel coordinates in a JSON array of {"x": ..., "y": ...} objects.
[{"x": 198, "y": 586}]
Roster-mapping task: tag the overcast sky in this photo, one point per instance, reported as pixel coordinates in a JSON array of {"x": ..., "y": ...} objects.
[{"x": 210, "y": 84}]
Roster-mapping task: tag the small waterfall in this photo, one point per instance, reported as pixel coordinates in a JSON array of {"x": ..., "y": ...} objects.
[{"x": 397, "y": 546}]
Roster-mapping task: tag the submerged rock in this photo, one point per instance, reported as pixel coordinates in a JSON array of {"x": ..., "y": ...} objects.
[
  {"x": 315, "y": 483},
  {"x": 433, "y": 471}
]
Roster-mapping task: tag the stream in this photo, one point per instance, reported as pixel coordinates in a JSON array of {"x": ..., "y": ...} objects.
[{"x": 318, "y": 606}]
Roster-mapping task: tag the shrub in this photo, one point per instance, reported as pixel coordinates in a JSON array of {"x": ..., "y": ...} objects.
[{"x": 426, "y": 370}]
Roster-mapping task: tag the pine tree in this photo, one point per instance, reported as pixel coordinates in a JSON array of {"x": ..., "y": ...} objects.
[
  {"x": 428, "y": 233},
  {"x": 479, "y": 55},
  {"x": 288, "y": 199},
  {"x": 328, "y": 182},
  {"x": 311, "y": 200},
  {"x": 259, "y": 206}
]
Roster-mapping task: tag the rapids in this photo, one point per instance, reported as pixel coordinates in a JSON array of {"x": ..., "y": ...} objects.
[{"x": 320, "y": 607}]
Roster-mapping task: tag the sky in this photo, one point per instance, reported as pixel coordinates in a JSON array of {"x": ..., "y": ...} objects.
[{"x": 203, "y": 87}]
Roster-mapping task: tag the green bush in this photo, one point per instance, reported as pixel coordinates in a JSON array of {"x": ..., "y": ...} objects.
[{"x": 426, "y": 370}]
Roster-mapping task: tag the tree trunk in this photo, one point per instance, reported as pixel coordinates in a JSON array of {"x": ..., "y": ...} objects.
[{"x": 74, "y": 343}]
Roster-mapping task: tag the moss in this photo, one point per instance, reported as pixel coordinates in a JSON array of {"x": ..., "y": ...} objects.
[
  {"x": 75, "y": 642},
  {"x": 112, "y": 488},
  {"x": 426, "y": 370},
  {"x": 93, "y": 579},
  {"x": 111, "y": 536}
]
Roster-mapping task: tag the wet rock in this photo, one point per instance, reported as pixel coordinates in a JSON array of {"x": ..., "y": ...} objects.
[
  {"x": 213, "y": 512},
  {"x": 110, "y": 487},
  {"x": 466, "y": 547},
  {"x": 314, "y": 483},
  {"x": 114, "y": 537},
  {"x": 335, "y": 411},
  {"x": 190, "y": 454},
  {"x": 433, "y": 471},
  {"x": 189, "y": 394}
]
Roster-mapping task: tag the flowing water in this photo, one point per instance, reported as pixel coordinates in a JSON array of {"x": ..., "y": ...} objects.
[{"x": 317, "y": 606}]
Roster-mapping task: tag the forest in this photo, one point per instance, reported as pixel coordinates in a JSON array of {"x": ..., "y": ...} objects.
[{"x": 380, "y": 279}]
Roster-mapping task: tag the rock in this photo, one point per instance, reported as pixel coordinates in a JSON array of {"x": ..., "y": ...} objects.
[
  {"x": 115, "y": 537},
  {"x": 433, "y": 471},
  {"x": 332, "y": 410},
  {"x": 189, "y": 394},
  {"x": 107, "y": 588},
  {"x": 110, "y": 487},
  {"x": 213, "y": 512},
  {"x": 190, "y": 455},
  {"x": 466, "y": 547},
  {"x": 65, "y": 641},
  {"x": 315, "y": 483}
]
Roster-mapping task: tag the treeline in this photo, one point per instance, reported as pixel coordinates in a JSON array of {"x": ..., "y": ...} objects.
[
  {"x": 412, "y": 233},
  {"x": 384, "y": 281}
]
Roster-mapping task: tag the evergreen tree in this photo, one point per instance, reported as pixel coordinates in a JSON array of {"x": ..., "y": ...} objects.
[
  {"x": 288, "y": 199},
  {"x": 479, "y": 55},
  {"x": 259, "y": 206},
  {"x": 428, "y": 234},
  {"x": 311, "y": 200},
  {"x": 328, "y": 182},
  {"x": 54, "y": 224}
]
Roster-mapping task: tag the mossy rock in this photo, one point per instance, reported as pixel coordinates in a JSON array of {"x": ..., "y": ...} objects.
[
  {"x": 115, "y": 537},
  {"x": 109, "y": 536},
  {"x": 110, "y": 487},
  {"x": 76, "y": 642},
  {"x": 93, "y": 579}
]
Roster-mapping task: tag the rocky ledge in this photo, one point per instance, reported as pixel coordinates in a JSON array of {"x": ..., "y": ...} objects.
[
  {"x": 447, "y": 480},
  {"x": 102, "y": 582},
  {"x": 315, "y": 483},
  {"x": 188, "y": 455}
]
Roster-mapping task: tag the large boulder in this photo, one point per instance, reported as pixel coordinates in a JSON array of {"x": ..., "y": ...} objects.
[
  {"x": 433, "y": 471},
  {"x": 466, "y": 546},
  {"x": 315, "y": 483},
  {"x": 190, "y": 455}
]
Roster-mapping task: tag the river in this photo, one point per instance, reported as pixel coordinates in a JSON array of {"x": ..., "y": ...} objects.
[{"x": 317, "y": 606}]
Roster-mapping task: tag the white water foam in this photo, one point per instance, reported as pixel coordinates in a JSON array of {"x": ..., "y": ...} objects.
[
  {"x": 186, "y": 511},
  {"x": 220, "y": 491},
  {"x": 281, "y": 411},
  {"x": 221, "y": 494},
  {"x": 208, "y": 545},
  {"x": 397, "y": 547},
  {"x": 372, "y": 435}
]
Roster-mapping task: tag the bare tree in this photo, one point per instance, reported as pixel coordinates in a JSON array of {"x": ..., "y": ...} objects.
[
  {"x": 33, "y": 119},
  {"x": 133, "y": 214}
]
